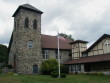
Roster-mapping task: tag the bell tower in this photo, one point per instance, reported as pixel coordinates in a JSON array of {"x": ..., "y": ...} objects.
[{"x": 25, "y": 43}]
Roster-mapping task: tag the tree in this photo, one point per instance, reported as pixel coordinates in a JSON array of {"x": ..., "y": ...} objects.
[
  {"x": 3, "y": 54},
  {"x": 49, "y": 66},
  {"x": 66, "y": 36}
]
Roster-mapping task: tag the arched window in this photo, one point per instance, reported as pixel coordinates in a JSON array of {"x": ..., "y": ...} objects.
[
  {"x": 30, "y": 44},
  {"x": 35, "y": 24},
  {"x": 26, "y": 22}
]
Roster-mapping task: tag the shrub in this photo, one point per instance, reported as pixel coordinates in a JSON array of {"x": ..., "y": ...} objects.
[
  {"x": 10, "y": 73},
  {"x": 9, "y": 66},
  {"x": 1, "y": 71},
  {"x": 76, "y": 73},
  {"x": 54, "y": 74},
  {"x": 49, "y": 66},
  {"x": 63, "y": 75},
  {"x": 100, "y": 73},
  {"x": 64, "y": 69},
  {"x": 87, "y": 73}
]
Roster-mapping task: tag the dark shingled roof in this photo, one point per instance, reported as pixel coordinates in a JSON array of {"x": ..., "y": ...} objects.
[
  {"x": 50, "y": 42},
  {"x": 78, "y": 41},
  {"x": 90, "y": 59},
  {"x": 28, "y": 7},
  {"x": 94, "y": 44}
]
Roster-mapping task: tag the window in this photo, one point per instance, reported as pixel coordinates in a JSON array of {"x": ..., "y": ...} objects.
[
  {"x": 84, "y": 55},
  {"x": 26, "y": 23},
  {"x": 107, "y": 45},
  {"x": 35, "y": 24},
  {"x": 45, "y": 54},
  {"x": 30, "y": 44},
  {"x": 56, "y": 54}
]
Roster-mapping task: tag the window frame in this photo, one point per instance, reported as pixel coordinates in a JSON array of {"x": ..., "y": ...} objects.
[
  {"x": 35, "y": 24},
  {"x": 45, "y": 54},
  {"x": 26, "y": 25},
  {"x": 30, "y": 44}
]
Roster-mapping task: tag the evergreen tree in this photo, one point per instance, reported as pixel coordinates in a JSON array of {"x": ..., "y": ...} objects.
[{"x": 3, "y": 54}]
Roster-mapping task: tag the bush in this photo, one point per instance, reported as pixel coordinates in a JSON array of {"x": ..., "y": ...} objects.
[
  {"x": 63, "y": 75},
  {"x": 64, "y": 69},
  {"x": 1, "y": 71},
  {"x": 100, "y": 73},
  {"x": 10, "y": 73},
  {"x": 54, "y": 74},
  {"x": 8, "y": 66},
  {"x": 49, "y": 66},
  {"x": 87, "y": 73}
]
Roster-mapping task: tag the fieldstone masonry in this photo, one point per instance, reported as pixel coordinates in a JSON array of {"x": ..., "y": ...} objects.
[
  {"x": 26, "y": 60},
  {"x": 21, "y": 57}
]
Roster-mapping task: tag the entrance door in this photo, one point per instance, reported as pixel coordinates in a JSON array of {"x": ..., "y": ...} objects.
[{"x": 35, "y": 69}]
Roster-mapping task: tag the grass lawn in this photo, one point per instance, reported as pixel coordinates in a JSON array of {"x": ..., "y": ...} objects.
[{"x": 49, "y": 79}]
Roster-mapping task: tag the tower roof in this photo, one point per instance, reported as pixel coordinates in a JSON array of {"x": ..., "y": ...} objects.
[
  {"x": 78, "y": 41},
  {"x": 27, "y": 7}
]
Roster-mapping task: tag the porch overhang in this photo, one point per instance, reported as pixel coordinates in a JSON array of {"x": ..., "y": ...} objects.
[{"x": 89, "y": 59}]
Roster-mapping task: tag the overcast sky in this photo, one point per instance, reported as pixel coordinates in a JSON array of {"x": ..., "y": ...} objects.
[{"x": 83, "y": 19}]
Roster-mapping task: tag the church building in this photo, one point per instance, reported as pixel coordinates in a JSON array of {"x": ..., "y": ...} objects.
[{"x": 28, "y": 48}]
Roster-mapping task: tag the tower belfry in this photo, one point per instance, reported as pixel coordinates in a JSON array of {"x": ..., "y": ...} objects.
[{"x": 25, "y": 43}]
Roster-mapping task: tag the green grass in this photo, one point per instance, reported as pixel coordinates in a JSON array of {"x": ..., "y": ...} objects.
[{"x": 49, "y": 79}]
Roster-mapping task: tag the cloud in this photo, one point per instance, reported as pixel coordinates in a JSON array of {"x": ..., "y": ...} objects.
[{"x": 84, "y": 19}]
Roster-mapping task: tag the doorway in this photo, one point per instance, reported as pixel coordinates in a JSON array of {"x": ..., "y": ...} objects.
[{"x": 35, "y": 69}]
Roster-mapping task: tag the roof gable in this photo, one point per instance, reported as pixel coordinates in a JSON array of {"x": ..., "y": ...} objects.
[
  {"x": 94, "y": 44},
  {"x": 27, "y": 7}
]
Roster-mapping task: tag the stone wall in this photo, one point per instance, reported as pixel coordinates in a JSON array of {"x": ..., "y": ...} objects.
[{"x": 24, "y": 56}]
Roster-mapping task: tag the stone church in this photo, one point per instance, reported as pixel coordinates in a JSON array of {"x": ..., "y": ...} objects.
[{"x": 28, "y": 48}]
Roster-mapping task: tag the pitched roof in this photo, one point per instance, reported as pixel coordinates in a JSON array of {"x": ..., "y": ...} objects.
[
  {"x": 90, "y": 59},
  {"x": 78, "y": 41},
  {"x": 28, "y": 7},
  {"x": 50, "y": 42},
  {"x": 94, "y": 44}
]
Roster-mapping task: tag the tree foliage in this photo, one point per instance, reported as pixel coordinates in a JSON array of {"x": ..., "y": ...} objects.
[
  {"x": 3, "y": 54},
  {"x": 66, "y": 36},
  {"x": 49, "y": 66}
]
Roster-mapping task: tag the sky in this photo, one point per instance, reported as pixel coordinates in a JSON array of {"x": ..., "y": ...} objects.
[{"x": 83, "y": 19}]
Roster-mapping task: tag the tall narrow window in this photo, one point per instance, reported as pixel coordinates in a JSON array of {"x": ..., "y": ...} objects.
[
  {"x": 26, "y": 22},
  {"x": 35, "y": 24},
  {"x": 45, "y": 54},
  {"x": 107, "y": 46},
  {"x": 30, "y": 44}
]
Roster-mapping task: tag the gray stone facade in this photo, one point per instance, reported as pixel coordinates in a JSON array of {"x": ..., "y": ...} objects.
[{"x": 21, "y": 57}]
